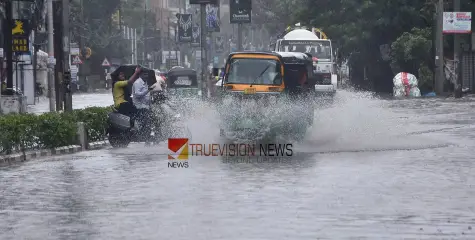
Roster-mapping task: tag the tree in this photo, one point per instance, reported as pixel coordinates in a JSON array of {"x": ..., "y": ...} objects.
[{"x": 91, "y": 22}]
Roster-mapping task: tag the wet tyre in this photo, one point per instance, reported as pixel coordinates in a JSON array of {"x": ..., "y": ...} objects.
[{"x": 118, "y": 140}]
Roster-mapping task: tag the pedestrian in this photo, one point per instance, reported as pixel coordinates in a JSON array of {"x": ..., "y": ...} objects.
[{"x": 108, "y": 80}]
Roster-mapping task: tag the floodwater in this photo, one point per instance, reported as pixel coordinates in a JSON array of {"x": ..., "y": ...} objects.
[{"x": 369, "y": 168}]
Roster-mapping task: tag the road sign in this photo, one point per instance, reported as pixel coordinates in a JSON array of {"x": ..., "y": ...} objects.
[
  {"x": 76, "y": 60},
  {"x": 106, "y": 63},
  {"x": 86, "y": 52},
  {"x": 20, "y": 36}
]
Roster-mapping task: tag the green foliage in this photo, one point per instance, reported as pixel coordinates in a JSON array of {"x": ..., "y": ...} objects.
[
  {"x": 412, "y": 49},
  {"x": 95, "y": 120},
  {"x": 426, "y": 83},
  {"x": 50, "y": 130},
  {"x": 275, "y": 15}
]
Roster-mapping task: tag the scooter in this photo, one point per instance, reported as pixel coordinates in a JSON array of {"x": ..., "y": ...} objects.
[
  {"x": 122, "y": 129},
  {"x": 121, "y": 132}
]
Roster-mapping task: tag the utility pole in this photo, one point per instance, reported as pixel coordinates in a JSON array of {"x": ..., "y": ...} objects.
[
  {"x": 204, "y": 63},
  {"x": 8, "y": 42},
  {"x": 439, "y": 48},
  {"x": 68, "y": 101},
  {"x": 82, "y": 43},
  {"x": 457, "y": 58},
  {"x": 59, "y": 56},
  {"x": 51, "y": 88}
]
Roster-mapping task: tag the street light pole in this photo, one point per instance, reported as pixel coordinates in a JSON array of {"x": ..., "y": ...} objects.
[
  {"x": 8, "y": 42},
  {"x": 68, "y": 101},
  {"x": 51, "y": 87}
]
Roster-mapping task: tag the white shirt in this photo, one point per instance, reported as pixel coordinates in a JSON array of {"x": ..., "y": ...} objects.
[{"x": 141, "y": 95}]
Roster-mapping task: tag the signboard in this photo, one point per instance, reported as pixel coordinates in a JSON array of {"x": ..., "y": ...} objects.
[
  {"x": 185, "y": 24},
  {"x": 457, "y": 22},
  {"x": 51, "y": 60},
  {"x": 74, "y": 73},
  {"x": 196, "y": 36},
  {"x": 106, "y": 63},
  {"x": 20, "y": 36},
  {"x": 86, "y": 52},
  {"x": 75, "y": 51},
  {"x": 76, "y": 60},
  {"x": 203, "y": 1},
  {"x": 240, "y": 11},
  {"x": 213, "y": 19}
]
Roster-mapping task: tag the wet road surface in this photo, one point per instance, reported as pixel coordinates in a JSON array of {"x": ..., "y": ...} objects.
[{"x": 369, "y": 168}]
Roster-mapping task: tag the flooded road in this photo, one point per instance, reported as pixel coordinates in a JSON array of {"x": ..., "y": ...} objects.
[{"x": 369, "y": 168}]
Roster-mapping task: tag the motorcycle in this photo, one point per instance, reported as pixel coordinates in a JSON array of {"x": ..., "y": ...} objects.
[{"x": 165, "y": 124}]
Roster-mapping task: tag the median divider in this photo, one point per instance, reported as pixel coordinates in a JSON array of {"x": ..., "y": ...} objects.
[{"x": 27, "y": 136}]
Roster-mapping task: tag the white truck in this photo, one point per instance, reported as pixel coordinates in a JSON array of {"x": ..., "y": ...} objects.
[{"x": 303, "y": 40}]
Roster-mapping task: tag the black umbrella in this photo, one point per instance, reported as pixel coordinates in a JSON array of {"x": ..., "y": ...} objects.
[{"x": 148, "y": 75}]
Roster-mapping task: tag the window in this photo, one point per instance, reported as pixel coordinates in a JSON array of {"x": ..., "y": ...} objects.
[
  {"x": 319, "y": 49},
  {"x": 254, "y": 71},
  {"x": 182, "y": 81}
]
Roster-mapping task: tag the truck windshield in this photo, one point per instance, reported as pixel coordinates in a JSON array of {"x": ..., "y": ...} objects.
[
  {"x": 319, "y": 49},
  {"x": 254, "y": 71}
]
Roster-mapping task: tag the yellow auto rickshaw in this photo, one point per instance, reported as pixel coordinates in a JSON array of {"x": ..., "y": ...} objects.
[{"x": 260, "y": 87}]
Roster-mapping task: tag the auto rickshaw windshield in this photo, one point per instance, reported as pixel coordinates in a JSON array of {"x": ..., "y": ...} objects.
[{"x": 254, "y": 71}]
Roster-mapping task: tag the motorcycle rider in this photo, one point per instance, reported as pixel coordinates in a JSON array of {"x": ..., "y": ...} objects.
[
  {"x": 121, "y": 93},
  {"x": 141, "y": 99}
]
